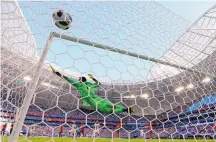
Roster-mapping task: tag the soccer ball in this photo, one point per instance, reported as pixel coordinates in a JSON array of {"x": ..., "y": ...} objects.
[{"x": 62, "y": 19}]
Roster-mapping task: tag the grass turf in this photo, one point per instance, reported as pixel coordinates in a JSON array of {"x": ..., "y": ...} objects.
[{"x": 48, "y": 139}]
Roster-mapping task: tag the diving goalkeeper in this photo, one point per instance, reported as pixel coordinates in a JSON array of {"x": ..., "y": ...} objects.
[{"x": 86, "y": 91}]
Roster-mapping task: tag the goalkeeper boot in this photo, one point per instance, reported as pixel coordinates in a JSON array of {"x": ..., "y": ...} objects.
[{"x": 131, "y": 110}]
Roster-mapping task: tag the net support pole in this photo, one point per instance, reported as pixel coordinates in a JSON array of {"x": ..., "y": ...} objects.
[
  {"x": 132, "y": 54},
  {"x": 31, "y": 90}
]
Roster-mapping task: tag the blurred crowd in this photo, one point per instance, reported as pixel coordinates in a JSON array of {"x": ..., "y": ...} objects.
[{"x": 53, "y": 118}]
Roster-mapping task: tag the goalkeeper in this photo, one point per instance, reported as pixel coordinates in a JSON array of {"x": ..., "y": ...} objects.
[{"x": 86, "y": 91}]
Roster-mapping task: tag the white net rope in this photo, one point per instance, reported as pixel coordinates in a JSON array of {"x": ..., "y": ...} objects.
[{"x": 163, "y": 97}]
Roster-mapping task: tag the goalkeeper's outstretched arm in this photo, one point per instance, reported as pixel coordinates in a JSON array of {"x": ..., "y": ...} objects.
[
  {"x": 58, "y": 73},
  {"x": 70, "y": 80}
]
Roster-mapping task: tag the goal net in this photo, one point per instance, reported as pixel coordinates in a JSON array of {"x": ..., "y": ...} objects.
[{"x": 159, "y": 68}]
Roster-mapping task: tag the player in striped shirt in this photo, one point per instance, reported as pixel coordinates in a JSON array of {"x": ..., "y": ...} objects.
[{"x": 96, "y": 129}]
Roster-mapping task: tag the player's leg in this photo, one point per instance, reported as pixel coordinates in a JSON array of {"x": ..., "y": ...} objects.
[
  {"x": 93, "y": 134},
  {"x": 11, "y": 130},
  {"x": 150, "y": 134},
  {"x": 60, "y": 134},
  {"x": 118, "y": 133},
  {"x": 142, "y": 134},
  {"x": 3, "y": 133},
  {"x": 74, "y": 134},
  {"x": 98, "y": 132},
  {"x": 82, "y": 132}
]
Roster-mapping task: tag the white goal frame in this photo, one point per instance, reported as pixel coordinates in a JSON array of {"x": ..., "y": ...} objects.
[{"x": 28, "y": 97}]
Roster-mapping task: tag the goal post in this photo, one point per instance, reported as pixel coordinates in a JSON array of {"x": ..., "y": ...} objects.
[
  {"x": 28, "y": 97},
  {"x": 132, "y": 54}
]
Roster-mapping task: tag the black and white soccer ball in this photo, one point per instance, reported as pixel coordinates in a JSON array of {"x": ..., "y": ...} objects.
[{"x": 62, "y": 19}]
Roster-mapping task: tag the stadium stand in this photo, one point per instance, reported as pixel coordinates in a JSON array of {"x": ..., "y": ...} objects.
[{"x": 202, "y": 121}]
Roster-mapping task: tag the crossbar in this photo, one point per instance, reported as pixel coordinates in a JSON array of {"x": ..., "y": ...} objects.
[{"x": 132, "y": 54}]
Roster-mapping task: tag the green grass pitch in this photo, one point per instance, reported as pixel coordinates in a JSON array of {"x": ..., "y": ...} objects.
[{"x": 48, "y": 139}]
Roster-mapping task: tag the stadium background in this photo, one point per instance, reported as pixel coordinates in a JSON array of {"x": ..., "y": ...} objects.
[{"x": 190, "y": 113}]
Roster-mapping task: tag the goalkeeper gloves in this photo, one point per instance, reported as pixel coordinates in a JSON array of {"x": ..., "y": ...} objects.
[
  {"x": 53, "y": 70},
  {"x": 90, "y": 76},
  {"x": 56, "y": 72}
]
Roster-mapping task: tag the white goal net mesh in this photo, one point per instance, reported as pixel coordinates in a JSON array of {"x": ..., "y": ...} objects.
[{"x": 168, "y": 102}]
